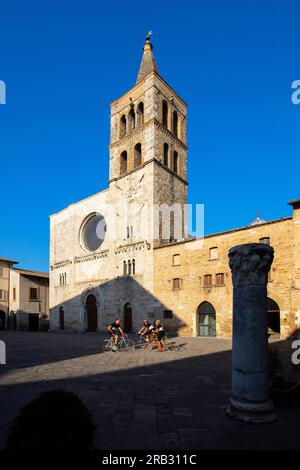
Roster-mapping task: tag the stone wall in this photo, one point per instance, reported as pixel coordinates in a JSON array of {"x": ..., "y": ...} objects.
[{"x": 195, "y": 263}]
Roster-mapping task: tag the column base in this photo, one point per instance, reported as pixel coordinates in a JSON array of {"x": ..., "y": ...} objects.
[{"x": 254, "y": 413}]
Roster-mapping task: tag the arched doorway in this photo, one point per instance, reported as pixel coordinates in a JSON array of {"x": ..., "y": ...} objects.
[
  {"x": 206, "y": 319},
  {"x": 273, "y": 317},
  {"x": 91, "y": 313},
  {"x": 2, "y": 320},
  {"x": 128, "y": 318},
  {"x": 61, "y": 318}
]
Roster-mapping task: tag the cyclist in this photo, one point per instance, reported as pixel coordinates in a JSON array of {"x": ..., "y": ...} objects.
[
  {"x": 158, "y": 335},
  {"x": 114, "y": 329},
  {"x": 144, "y": 331}
]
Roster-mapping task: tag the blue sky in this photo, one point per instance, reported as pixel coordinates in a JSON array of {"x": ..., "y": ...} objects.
[{"x": 63, "y": 62}]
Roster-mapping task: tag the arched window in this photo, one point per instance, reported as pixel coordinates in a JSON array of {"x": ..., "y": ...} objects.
[
  {"x": 273, "y": 317},
  {"x": 175, "y": 162},
  {"x": 122, "y": 132},
  {"x": 175, "y": 123},
  {"x": 129, "y": 268},
  {"x": 123, "y": 162},
  {"x": 137, "y": 155},
  {"x": 140, "y": 114},
  {"x": 165, "y": 113},
  {"x": 133, "y": 266},
  {"x": 131, "y": 120},
  {"x": 166, "y": 154},
  {"x": 124, "y": 268}
]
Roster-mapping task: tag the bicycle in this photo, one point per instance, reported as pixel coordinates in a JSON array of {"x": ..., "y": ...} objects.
[
  {"x": 173, "y": 346},
  {"x": 124, "y": 344}
]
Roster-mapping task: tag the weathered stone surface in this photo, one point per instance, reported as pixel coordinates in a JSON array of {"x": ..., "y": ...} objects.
[{"x": 250, "y": 264}]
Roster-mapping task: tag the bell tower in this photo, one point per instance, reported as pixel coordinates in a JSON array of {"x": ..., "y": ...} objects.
[{"x": 148, "y": 139}]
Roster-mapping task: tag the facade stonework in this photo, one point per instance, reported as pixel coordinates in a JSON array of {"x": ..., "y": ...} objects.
[{"x": 139, "y": 272}]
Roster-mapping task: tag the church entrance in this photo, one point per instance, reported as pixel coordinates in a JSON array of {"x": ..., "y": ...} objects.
[
  {"x": 128, "y": 318},
  {"x": 91, "y": 313},
  {"x": 273, "y": 318},
  {"x": 206, "y": 319}
]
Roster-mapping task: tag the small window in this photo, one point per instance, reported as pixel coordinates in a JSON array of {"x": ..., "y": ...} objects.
[
  {"x": 207, "y": 280},
  {"x": 213, "y": 253},
  {"x": 122, "y": 132},
  {"x": 3, "y": 294},
  {"x": 131, "y": 120},
  {"x": 140, "y": 114},
  {"x": 137, "y": 155},
  {"x": 167, "y": 314},
  {"x": 265, "y": 240},
  {"x": 177, "y": 283},
  {"x": 129, "y": 268},
  {"x": 133, "y": 266},
  {"x": 166, "y": 154},
  {"x": 176, "y": 260},
  {"x": 220, "y": 279},
  {"x": 175, "y": 123},
  {"x": 123, "y": 162},
  {"x": 124, "y": 268},
  {"x": 14, "y": 293},
  {"x": 33, "y": 293},
  {"x": 175, "y": 162},
  {"x": 165, "y": 113}
]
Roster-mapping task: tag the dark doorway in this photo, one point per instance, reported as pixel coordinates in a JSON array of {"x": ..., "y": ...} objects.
[
  {"x": 273, "y": 317},
  {"x": 2, "y": 320},
  {"x": 91, "y": 312},
  {"x": 128, "y": 318},
  {"x": 207, "y": 319},
  {"x": 61, "y": 318},
  {"x": 33, "y": 322}
]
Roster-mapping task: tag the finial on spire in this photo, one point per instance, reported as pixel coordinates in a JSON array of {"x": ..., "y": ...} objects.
[{"x": 148, "y": 36}]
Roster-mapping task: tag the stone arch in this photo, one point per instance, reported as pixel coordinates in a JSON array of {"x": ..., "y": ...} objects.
[
  {"x": 205, "y": 319},
  {"x": 123, "y": 126},
  {"x": 131, "y": 120},
  {"x": 123, "y": 162},
  {"x": 140, "y": 114},
  {"x": 97, "y": 293},
  {"x": 137, "y": 155}
]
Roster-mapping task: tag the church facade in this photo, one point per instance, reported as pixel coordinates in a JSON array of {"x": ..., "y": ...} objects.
[{"x": 125, "y": 253}]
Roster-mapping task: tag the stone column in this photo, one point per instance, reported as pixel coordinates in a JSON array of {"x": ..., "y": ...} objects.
[{"x": 250, "y": 401}]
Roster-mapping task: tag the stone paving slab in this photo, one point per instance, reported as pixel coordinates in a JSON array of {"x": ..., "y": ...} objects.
[{"x": 139, "y": 399}]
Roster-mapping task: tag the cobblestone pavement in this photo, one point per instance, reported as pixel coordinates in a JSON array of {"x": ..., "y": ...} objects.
[{"x": 140, "y": 399}]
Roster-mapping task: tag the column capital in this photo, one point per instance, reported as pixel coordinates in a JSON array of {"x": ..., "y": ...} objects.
[{"x": 250, "y": 264}]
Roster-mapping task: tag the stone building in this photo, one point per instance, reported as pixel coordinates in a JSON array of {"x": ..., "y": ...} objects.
[
  {"x": 24, "y": 298},
  {"x": 124, "y": 252}
]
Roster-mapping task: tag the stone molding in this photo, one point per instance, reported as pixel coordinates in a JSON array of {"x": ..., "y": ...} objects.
[
  {"x": 91, "y": 257},
  {"x": 61, "y": 264},
  {"x": 144, "y": 245}
]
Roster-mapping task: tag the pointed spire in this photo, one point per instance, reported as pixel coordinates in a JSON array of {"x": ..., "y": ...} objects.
[{"x": 148, "y": 63}]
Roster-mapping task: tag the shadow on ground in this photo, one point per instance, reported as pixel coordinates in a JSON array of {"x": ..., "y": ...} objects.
[{"x": 140, "y": 399}]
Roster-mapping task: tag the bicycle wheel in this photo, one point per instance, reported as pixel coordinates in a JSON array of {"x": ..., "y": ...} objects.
[
  {"x": 107, "y": 345},
  {"x": 126, "y": 345}
]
